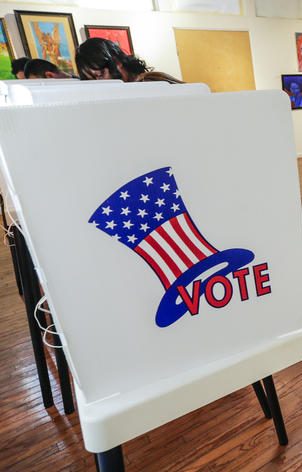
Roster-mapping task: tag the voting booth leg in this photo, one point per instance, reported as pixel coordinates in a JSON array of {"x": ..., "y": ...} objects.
[
  {"x": 110, "y": 461},
  {"x": 15, "y": 265},
  {"x": 274, "y": 405},
  {"x": 3, "y": 212},
  {"x": 31, "y": 298},
  {"x": 260, "y": 393},
  {"x": 12, "y": 249},
  {"x": 64, "y": 378},
  {"x": 63, "y": 370}
]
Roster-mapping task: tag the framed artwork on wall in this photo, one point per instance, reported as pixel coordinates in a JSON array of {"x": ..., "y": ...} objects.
[
  {"x": 6, "y": 53},
  {"x": 49, "y": 36},
  {"x": 292, "y": 85},
  {"x": 299, "y": 50},
  {"x": 118, "y": 34}
]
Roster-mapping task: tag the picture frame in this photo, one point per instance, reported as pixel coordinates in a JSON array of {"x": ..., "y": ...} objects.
[
  {"x": 50, "y": 36},
  {"x": 118, "y": 34},
  {"x": 298, "y": 37},
  {"x": 6, "y": 53},
  {"x": 292, "y": 85}
]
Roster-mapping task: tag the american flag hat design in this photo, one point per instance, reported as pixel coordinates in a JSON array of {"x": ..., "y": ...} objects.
[{"x": 149, "y": 216}]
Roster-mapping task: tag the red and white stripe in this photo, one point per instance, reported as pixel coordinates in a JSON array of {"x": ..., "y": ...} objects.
[{"x": 173, "y": 248}]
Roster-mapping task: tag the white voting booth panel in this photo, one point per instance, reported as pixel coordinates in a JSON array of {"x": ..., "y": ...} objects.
[
  {"x": 6, "y": 85},
  {"x": 18, "y": 92},
  {"x": 205, "y": 303},
  {"x": 93, "y": 90},
  {"x": 36, "y": 91},
  {"x": 40, "y": 81}
]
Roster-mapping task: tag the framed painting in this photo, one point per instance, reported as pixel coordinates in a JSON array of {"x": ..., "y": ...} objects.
[
  {"x": 118, "y": 34},
  {"x": 299, "y": 50},
  {"x": 49, "y": 36},
  {"x": 292, "y": 85},
  {"x": 6, "y": 53}
]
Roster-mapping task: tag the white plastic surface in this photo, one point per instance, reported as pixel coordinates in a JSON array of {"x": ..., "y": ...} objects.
[
  {"x": 39, "y": 91},
  {"x": 112, "y": 421},
  {"x": 30, "y": 82},
  {"x": 96, "y": 90},
  {"x": 233, "y": 158},
  {"x": 5, "y": 85},
  {"x": 17, "y": 92}
]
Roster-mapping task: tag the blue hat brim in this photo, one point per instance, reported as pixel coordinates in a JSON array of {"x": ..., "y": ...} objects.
[{"x": 168, "y": 311}]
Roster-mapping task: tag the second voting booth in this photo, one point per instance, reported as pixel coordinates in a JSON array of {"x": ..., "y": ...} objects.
[{"x": 166, "y": 232}]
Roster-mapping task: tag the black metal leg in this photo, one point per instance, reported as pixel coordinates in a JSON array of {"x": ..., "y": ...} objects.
[
  {"x": 12, "y": 248},
  {"x": 64, "y": 377},
  {"x": 257, "y": 386},
  {"x": 274, "y": 405},
  {"x": 31, "y": 298},
  {"x": 13, "y": 252},
  {"x": 110, "y": 461},
  {"x": 62, "y": 366},
  {"x": 3, "y": 212}
]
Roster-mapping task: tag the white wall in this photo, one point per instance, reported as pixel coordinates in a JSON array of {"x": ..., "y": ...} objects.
[{"x": 272, "y": 40}]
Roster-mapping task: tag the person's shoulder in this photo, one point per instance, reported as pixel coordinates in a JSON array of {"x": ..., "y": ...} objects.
[{"x": 154, "y": 76}]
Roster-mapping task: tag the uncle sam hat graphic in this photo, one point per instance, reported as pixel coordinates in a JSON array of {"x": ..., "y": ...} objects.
[{"x": 149, "y": 216}]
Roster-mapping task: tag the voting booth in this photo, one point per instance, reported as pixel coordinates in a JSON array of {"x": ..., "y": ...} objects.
[
  {"x": 47, "y": 91},
  {"x": 58, "y": 91},
  {"x": 27, "y": 92},
  {"x": 166, "y": 233}
]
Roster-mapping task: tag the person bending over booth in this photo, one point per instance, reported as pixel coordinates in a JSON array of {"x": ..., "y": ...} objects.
[
  {"x": 18, "y": 66},
  {"x": 101, "y": 59},
  {"x": 41, "y": 69}
]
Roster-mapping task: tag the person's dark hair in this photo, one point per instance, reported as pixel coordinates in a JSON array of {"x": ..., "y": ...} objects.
[
  {"x": 98, "y": 53},
  {"x": 19, "y": 64},
  {"x": 38, "y": 68}
]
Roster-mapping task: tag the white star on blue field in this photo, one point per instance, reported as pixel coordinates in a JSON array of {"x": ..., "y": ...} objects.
[{"x": 139, "y": 207}]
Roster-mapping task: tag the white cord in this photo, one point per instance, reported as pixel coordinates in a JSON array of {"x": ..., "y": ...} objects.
[
  {"x": 12, "y": 219},
  {"x": 44, "y": 337},
  {"x": 4, "y": 229},
  {"x": 38, "y": 307},
  {"x": 45, "y": 330},
  {"x": 7, "y": 233},
  {"x": 5, "y": 241}
]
